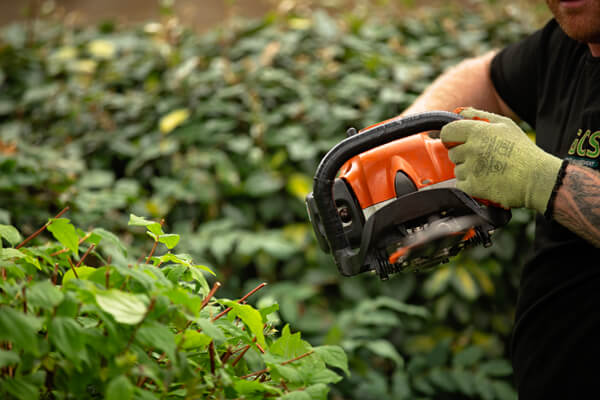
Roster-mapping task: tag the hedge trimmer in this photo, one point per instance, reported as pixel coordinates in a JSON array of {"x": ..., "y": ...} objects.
[{"x": 384, "y": 200}]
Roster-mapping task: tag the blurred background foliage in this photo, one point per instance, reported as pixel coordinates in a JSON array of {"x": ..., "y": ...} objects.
[{"x": 219, "y": 133}]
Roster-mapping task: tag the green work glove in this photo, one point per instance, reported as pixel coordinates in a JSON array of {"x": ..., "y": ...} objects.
[{"x": 496, "y": 161}]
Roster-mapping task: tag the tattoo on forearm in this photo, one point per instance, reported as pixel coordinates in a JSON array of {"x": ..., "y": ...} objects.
[{"x": 577, "y": 204}]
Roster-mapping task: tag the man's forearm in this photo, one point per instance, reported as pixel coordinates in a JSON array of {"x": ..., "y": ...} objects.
[
  {"x": 577, "y": 203},
  {"x": 466, "y": 84}
]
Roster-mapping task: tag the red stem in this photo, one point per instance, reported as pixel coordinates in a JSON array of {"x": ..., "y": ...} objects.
[
  {"x": 152, "y": 252},
  {"x": 215, "y": 287},
  {"x": 23, "y": 291},
  {"x": 34, "y": 234},
  {"x": 226, "y": 355},
  {"x": 262, "y": 371},
  {"x": 250, "y": 293},
  {"x": 239, "y": 357},
  {"x": 55, "y": 274},
  {"x": 85, "y": 254},
  {"x": 211, "y": 352},
  {"x": 308, "y": 353},
  {"x": 73, "y": 267}
]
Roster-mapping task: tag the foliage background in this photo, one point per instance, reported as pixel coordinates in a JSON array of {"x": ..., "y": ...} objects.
[{"x": 219, "y": 133}]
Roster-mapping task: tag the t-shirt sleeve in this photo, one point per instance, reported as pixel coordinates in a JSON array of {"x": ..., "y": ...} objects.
[{"x": 515, "y": 73}]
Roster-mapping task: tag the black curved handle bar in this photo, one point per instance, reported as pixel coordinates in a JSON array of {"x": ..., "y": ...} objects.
[{"x": 372, "y": 137}]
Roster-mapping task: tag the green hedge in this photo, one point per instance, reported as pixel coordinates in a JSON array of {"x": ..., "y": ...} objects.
[
  {"x": 94, "y": 323},
  {"x": 220, "y": 133}
]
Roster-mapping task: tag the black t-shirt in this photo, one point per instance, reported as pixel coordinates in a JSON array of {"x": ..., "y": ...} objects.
[{"x": 553, "y": 83}]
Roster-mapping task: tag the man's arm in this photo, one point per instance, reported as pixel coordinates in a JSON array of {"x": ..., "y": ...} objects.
[
  {"x": 577, "y": 203},
  {"x": 466, "y": 84}
]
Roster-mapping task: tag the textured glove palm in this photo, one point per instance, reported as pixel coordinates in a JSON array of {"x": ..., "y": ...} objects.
[{"x": 496, "y": 161}]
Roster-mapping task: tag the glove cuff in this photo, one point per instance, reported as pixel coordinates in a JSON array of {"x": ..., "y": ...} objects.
[
  {"x": 544, "y": 179},
  {"x": 548, "y": 214}
]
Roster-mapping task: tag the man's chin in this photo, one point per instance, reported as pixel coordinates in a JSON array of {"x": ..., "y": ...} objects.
[
  {"x": 583, "y": 31},
  {"x": 580, "y": 20}
]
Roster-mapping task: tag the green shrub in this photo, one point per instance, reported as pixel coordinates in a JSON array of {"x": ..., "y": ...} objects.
[{"x": 139, "y": 330}]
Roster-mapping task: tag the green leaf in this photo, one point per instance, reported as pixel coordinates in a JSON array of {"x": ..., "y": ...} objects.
[
  {"x": 179, "y": 295},
  {"x": 483, "y": 387},
  {"x": 211, "y": 330},
  {"x": 82, "y": 272},
  {"x": 289, "y": 345},
  {"x": 465, "y": 381},
  {"x": 465, "y": 284},
  {"x": 20, "y": 389},
  {"x": 11, "y": 234},
  {"x": 119, "y": 388},
  {"x": 111, "y": 238},
  {"x": 204, "y": 268},
  {"x": 8, "y": 357},
  {"x": 154, "y": 334},
  {"x": 442, "y": 379},
  {"x": 251, "y": 317},
  {"x": 126, "y": 308},
  {"x": 383, "y": 348},
  {"x": 437, "y": 282},
  {"x": 21, "y": 329},
  {"x": 170, "y": 257},
  {"x": 44, "y": 295},
  {"x": 401, "y": 386},
  {"x": 504, "y": 391},
  {"x": 468, "y": 356},
  {"x": 192, "y": 339},
  {"x": 244, "y": 387},
  {"x": 323, "y": 375},
  {"x": 496, "y": 368},
  {"x": 318, "y": 391},
  {"x": 334, "y": 356},
  {"x": 7, "y": 254},
  {"x": 287, "y": 372},
  {"x": 67, "y": 336},
  {"x": 262, "y": 183},
  {"x": 266, "y": 311},
  {"x": 153, "y": 227},
  {"x": 65, "y": 233},
  {"x": 297, "y": 395},
  {"x": 169, "y": 239}
]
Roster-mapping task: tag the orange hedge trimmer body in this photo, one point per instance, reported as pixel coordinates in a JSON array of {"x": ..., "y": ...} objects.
[{"x": 384, "y": 200}]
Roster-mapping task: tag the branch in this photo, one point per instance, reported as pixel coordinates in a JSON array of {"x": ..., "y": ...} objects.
[
  {"x": 85, "y": 254},
  {"x": 211, "y": 353},
  {"x": 73, "y": 267},
  {"x": 36, "y": 233},
  {"x": 55, "y": 274},
  {"x": 308, "y": 353},
  {"x": 250, "y": 293},
  {"x": 210, "y": 294},
  {"x": 262, "y": 371}
]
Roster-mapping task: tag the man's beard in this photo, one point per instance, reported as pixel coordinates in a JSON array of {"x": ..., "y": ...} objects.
[{"x": 581, "y": 24}]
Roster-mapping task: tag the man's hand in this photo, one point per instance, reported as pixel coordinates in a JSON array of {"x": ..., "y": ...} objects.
[{"x": 496, "y": 161}]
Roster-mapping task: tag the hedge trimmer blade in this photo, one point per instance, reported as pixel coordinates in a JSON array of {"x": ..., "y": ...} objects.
[{"x": 434, "y": 242}]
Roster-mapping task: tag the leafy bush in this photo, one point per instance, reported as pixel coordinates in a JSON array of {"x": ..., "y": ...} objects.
[
  {"x": 139, "y": 330},
  {"x": 220, "y": 133}
]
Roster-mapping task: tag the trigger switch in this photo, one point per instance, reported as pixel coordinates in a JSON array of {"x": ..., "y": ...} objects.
[{"x": 403, "y": 184}]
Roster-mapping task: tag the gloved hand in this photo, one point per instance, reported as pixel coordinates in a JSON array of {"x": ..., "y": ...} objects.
[{"x": 496, "y": 161}]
